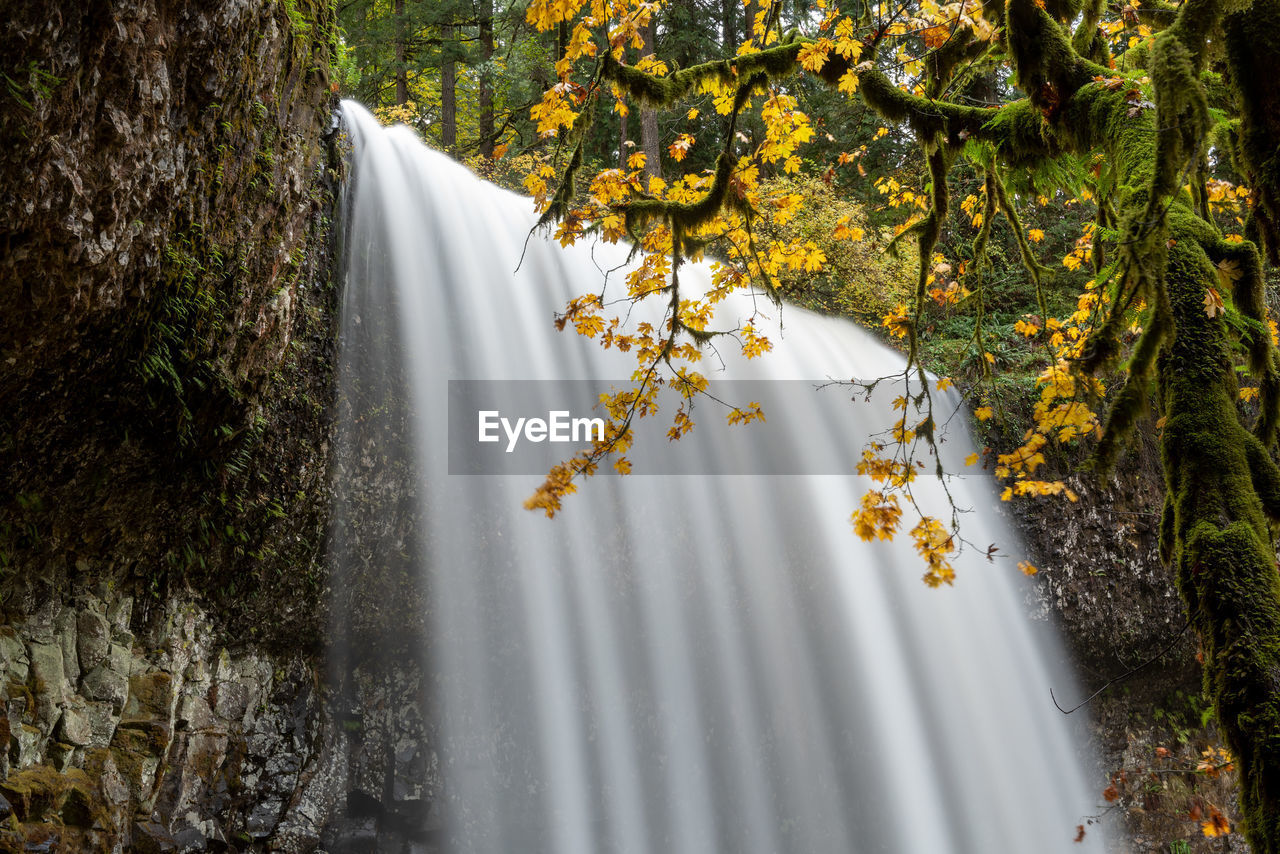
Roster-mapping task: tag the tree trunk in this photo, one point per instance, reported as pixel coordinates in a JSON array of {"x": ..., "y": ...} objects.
[
  {"x": 485, "y": 9},
  {"x": 622, "y": 138},
  {"x": 402, "y": 71},
  {"x": 649, "y": 140},
  {"x": 1254, "y": 54},
  {"x": 448, "y": 97},
  {"x": 749, "y": 27},
  {"x": 1222, "y": 487},
  {"x": 728, "y": 30}
]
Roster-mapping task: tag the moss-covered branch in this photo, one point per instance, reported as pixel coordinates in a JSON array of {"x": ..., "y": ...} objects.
[
  {"x": 1253, "y": 55},
  {"x": 661, "y": 91}
]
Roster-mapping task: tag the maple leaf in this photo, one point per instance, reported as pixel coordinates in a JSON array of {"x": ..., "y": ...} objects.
[
  {"x": 1024, "y": 328},
  {"x": 1229, "y": 272},
  {"x": 1213, "y": 305},
  {"x": 680, "y": 147},
  {"x": 1217, "y": 825},
  {"x": 936, "y": 36},
  {"x": 814, "y": 55}
]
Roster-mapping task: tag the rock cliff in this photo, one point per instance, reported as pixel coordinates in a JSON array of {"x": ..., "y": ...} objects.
[{"x": 168, "y": 177}]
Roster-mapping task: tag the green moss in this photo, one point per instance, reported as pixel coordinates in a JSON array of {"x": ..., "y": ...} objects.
[
  {"x": 1254, "y": 54},
  {"x": 775, "y": 63},
  {"x": 40, "y": 792},
  {"x": 1222, "y": 488}
]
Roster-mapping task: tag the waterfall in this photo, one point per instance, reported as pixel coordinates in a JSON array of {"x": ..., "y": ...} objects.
[{"x": 678, "y": 662}]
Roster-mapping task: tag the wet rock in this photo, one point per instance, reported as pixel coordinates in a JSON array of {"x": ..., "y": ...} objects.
[
  {"x": 110, "y": 686},
  {"x": 13, "y": 655},
  {"x": 113, "y": 176},
  {"x": 151, "y": 837},
  {"x": 28, "y": 743},
  {"x": 65, "y": 625},
  {"x": 231, "y": 700},
  {"x": 74, "y": 726},
  {"x": 92, "y": 639},
  {"x": 151, "y": 696},
  {"x": 119, "y": 613},
  {"x": 48, "y": 683}
]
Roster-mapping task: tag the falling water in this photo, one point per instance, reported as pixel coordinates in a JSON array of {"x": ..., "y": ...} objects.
[{"x": 710, "y": 663}]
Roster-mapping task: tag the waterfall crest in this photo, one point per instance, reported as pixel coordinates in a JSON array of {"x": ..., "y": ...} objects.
[{"x": 709, "y": 663}]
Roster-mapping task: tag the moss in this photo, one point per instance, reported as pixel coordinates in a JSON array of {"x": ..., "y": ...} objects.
[
  {"x": 1254, "y": 54},
  {"x": 926, "y": 117},
  {"x": 39, "y": 791},
  {"x": 1222, "y": 488},
  {"x": 1046, "y": 66},
  {"x": 18, "y": 690},
  {"x": 1088, "y": 40},
  {"x": 774, "y": 63}
]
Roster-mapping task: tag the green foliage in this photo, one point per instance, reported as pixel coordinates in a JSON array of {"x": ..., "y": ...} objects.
[
  {"x": 859, "y": 279},
  {"x": 39, "y": 84}
]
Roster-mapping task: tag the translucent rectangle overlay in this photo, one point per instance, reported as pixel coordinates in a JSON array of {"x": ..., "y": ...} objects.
[{"x": 524, "y": 427}]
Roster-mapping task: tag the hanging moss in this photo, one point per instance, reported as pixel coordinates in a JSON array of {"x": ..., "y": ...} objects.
[
  {"x": 1222, "y": 488},
  {"x": 1253, "y": 56},
  {"x": 650, "y": 89},
  {"x": 1088, "y": 40}
]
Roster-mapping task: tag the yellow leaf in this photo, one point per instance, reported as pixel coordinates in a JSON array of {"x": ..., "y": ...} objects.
[
  {"x": 971, "y": 459},
  {"x": 983, "y": 413},
  {"x": 1229, "y": 271},
  {"x": 1217, "y": 825},
  {"x": 1026, "y": 568},
  {"x": 814, "y": 55},
  {"x": 1024, "y": 328},
  {"x": 1036, "y": 235}
]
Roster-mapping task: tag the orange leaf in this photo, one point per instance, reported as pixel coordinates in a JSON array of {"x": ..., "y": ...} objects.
[{"x": 1213, "y": 305}]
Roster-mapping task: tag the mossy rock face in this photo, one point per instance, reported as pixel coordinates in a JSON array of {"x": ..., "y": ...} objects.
[
  {"x": 168, "y": 309},
  {"x": 151, "y": 695},
  {"x": 40, "y": 793},
  {"x": 82, "y": 807}
]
